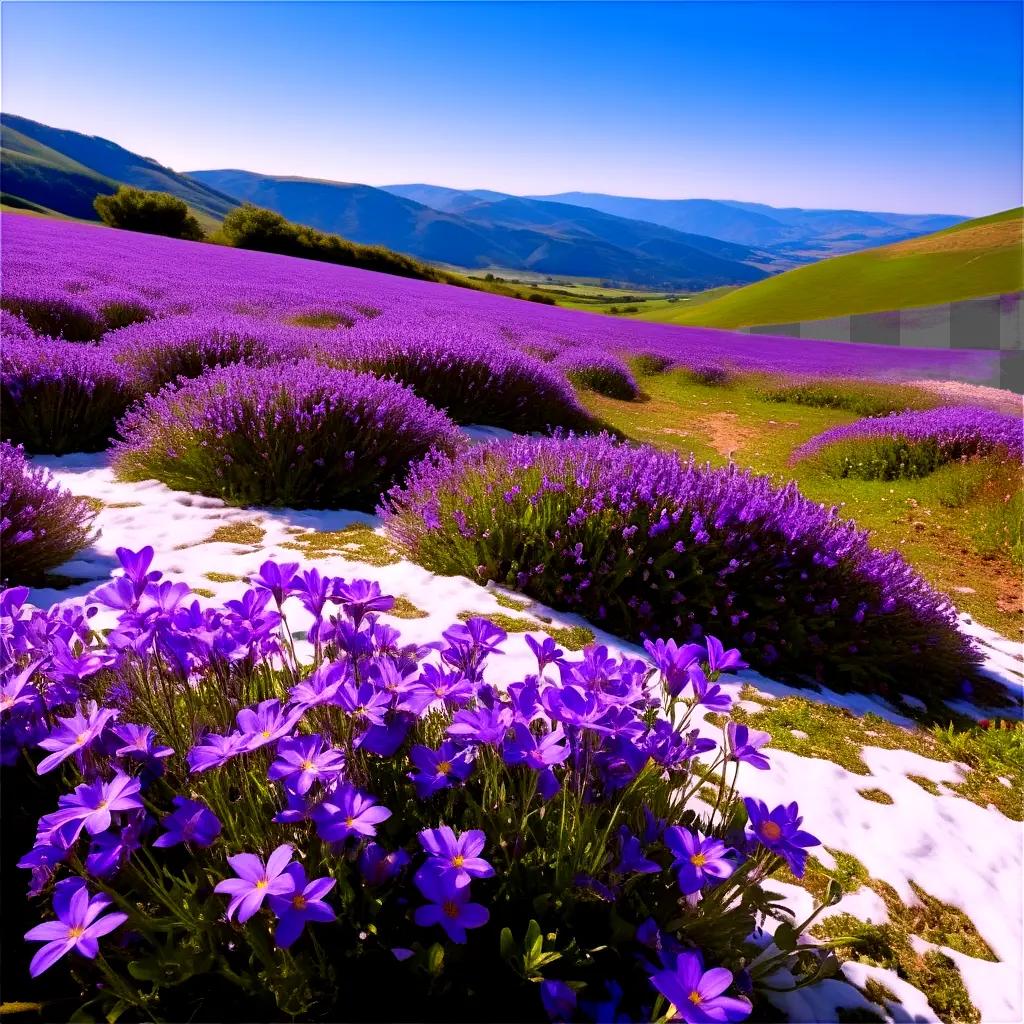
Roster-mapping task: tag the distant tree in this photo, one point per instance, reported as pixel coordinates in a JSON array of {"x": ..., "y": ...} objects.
[{"x": 156, "y": 213}]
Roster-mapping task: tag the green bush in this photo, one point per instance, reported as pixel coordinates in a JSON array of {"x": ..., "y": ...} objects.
[
  {"x": 851, "y": 396},
  {"x": 156, "y": 213},
  {"x": 251, "y": 227}
]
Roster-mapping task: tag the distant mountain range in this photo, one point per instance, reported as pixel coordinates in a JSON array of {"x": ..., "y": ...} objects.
[
  {"x": 795, "y": 234},
  {"x": 689, "y": 244},
  {"x": 508, "y": 232}
]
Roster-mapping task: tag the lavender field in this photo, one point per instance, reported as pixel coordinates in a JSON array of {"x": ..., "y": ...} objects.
[{"x": 382, "y": 649}]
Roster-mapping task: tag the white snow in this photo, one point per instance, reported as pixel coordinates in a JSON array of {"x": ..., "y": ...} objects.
[{"x": 962, "y": 854}]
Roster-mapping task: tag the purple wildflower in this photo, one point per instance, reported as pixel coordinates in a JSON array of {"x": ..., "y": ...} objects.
[
  {"x": 449, "y": 906},
  {"x": 454, "y": 855},
  {"x": 256, "y": 881},
  {"x": 697, "y": 861},
  {"x": 779, "y": 830},
  {"x": 302, "y": 903},
  {"x": 347, "y": 812},
  {"x": 745, "y": 745},
  {"x": 190, "y": 822},
  {"x": 74, "y": 735},
  {"x": 696, "y": 994},
  {"x": 79, "y": 924}
]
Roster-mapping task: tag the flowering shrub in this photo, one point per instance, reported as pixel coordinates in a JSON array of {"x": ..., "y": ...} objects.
[
  {"x": 60, "y": 397},
  {"x": 53, "y": 314},
  {"x": 300, "y": 434},
  {"x": 160, "y": 351},
  {"x": 644, "y": 544},
  {"x": 598, "y": 371},
  {"x": 472, "y": 381},
  {"x": 13, "y": 326},
  {"x": 381, "y": 833},
  {"x": 41, "y": 525},
  {"x": 910, "y": 444},
  {"x": 651, "y": 362}
]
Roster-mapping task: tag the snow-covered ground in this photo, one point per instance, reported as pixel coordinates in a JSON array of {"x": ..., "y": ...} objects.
[{"x": 962, "y": 854}]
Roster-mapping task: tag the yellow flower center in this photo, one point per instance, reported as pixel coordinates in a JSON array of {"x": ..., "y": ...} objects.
[
  {"x": 102, "y": 804},
  {"x": 451, "y": 909},
  {"x": 771, "y": 830},
  {"x": 349, "y": 820},
  {"x": 444, "y": 768},
  {"x": 698, "y": 860},
  {"x": 439, "y": 691},
  {"x": 81, "y": 738},
  {"x": 694, "y": 997},
  {"x": 265, "y": 734},
  {"x": 458, "y": 860},
  {"x": 306, "y": 765},
  {"x": 74, "y": 933},
  {"x": 262, "y": 883},
  {"x": 299, "y": 901}
]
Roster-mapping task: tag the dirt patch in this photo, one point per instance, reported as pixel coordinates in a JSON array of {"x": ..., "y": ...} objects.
[
  {"x": 982, "y": 236},
  {"x": 725, "y": 433},
  {"x": 960, "y": 393}
]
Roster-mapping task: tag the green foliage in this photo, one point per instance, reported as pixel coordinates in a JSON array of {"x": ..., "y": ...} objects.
[
  {"x": 252, "y": 227},
  {"x": 851, "y": 396},
  {"x": 156, "y": 213},
  {"x": 1003, "y": 529},
  {"x": 649, "y": 363},
  {"x": 880, "y": 458}
]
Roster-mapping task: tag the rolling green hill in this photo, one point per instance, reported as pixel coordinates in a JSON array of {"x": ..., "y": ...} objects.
[
  {"x": 975, "y": 258},
  {"x": 65, "y": 171}
]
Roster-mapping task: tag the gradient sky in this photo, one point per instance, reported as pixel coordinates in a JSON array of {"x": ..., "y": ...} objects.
[{"x": 910, "y": 107}]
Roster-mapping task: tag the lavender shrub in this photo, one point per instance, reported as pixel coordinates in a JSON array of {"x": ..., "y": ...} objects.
[
  {"x": 474, "y": 382},
  {"x": 301, "y": 435},
  {"x": 645, "y": 544},
  {"x": 909, "y": 444},
  {"x": 598, "y": 371},
  {"x": 41, "y": 524},
  {"x": 160, "y": 351},
  {"x": 59, "y": 396}
]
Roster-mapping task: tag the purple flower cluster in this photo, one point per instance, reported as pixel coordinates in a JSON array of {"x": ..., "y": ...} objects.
[
  {"x": 472, "y": 380},
  {"x": 160, "y": 351},
  {"x": 638, "y": 540},
  {"x": 563, "y": 786},
  {"x": 955, "y": 432},
  {"x": 299, "y": 434},
  {"x": 41, "y": 525},
  {"x": 59, "y": 396},
  {"x": 598, "y": 371},
  {"x": 77, "y": 270}
]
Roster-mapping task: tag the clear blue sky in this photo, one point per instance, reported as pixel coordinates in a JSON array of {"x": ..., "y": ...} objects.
[{"x": 896, "y": 106}]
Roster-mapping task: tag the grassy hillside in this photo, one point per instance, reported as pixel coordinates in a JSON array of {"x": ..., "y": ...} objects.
[
  {"x": 977, "y": 257},
  {"x": 64, "y": 171}
]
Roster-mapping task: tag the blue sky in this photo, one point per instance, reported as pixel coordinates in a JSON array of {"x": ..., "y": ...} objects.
[{"x": 897, "y": 106}]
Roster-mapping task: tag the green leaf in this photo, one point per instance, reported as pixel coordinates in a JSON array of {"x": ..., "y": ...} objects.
[
  {"x": 508, "y": 945},
  {"x": 435, "y": 959},
  {"x": 834, "y": 893},
  {"x": 786, "y": 937}
]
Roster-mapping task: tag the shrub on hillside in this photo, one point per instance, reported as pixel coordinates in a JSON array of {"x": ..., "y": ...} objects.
[
  {"x": 913, "y": 444},
  {"x": 475, "y": 382},
  {"x": 272, "y": 855},
  {"x": 644, "y": 544},
  {"x": 156, "y": 213},
  {"x": 51, "y": 312},
  {"x": 41, "y": 525},
  {"x": 650, "y": 363},
  {"x": 598, "y": 371},
  {"x": 161, "y": 351},
  {"x": 251, "y": 227},
  {"x": 300, "y": 435},
  {"x": 58, "y": 396},
  {"x": 14, "y": 326},
  {"x": 863, "y": 398}
]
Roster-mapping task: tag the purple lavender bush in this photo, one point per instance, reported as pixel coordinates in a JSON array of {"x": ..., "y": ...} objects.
[
  {"x": 13, "y": 326},
  {"x": 598, "y": 371},
  {"x": 911, "y": 444},
  {"x": 160, "y": 351},
  {"x": 52, "y": 313},
  {"x": 473, "y": 381},
  {"x": 41, "y": 525},
  {"x": 58, "y": 396},
  {"x": 356, "y": 827},
  {"x": 300, "y": 434},
  {"x": 645, "y": 544}
]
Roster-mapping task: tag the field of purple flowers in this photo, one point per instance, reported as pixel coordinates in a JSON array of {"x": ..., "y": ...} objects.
[{"x": 268, "y": 800}]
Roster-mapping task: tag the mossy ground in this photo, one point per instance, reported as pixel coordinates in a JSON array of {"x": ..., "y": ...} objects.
[
  {"x": 572, "y": 638},
  {"x": 357, "y": 542}
]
